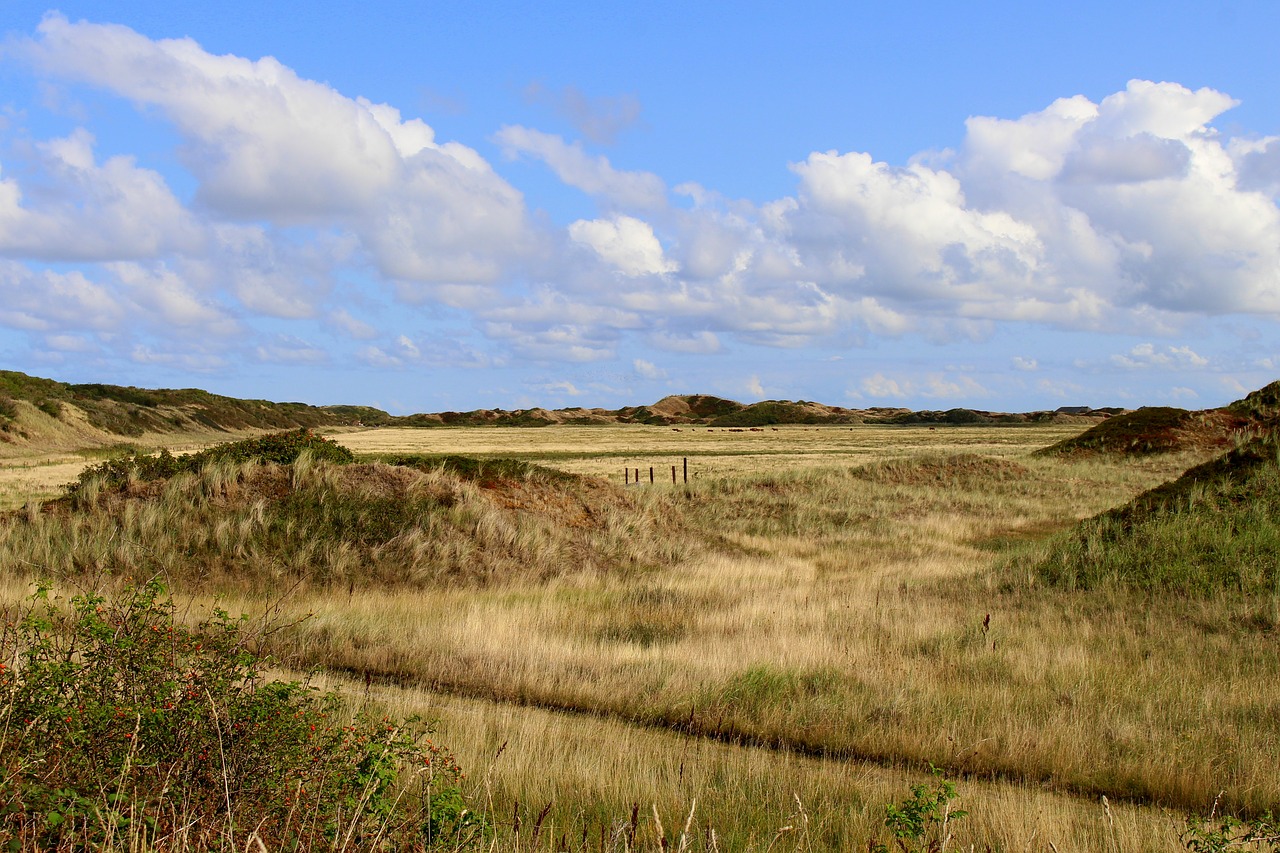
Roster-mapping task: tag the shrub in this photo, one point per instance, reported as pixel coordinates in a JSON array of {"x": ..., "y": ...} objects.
[
  {"x": 1217, "y": 835},
  {"x": 8, "y": 409},
  {"x": 920, "y": 823},
  {"x": 282, "y": 448},
  {"x": 121, "y": 726}
]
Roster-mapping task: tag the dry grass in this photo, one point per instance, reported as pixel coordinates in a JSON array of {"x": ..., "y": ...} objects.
[
  {"x": 604, "y": 451},
  {"x": 834, "y": 601},
  {"x": 592, "y": 772}
]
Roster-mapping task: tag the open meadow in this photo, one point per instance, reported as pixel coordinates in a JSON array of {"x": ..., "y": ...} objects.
[{"x": 759, "y": 659}]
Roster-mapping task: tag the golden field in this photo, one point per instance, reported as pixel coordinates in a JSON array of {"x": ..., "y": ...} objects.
[{"x": 830, "y": 611}]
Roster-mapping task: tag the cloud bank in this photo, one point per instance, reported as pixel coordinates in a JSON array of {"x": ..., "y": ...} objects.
[{"x": 322, "y": 209}]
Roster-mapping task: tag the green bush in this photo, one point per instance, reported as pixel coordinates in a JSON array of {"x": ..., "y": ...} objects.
[
  {"x": 1218, "y": 835},
  {"x": 921, "y": 822},
  {"x": 8, "y": 409},
  {"x": 122, "y": 727},
  {"x": 282, "y": 448}
]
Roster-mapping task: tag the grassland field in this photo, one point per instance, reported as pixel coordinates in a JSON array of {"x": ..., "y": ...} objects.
[{"x": 836, "y": 609}]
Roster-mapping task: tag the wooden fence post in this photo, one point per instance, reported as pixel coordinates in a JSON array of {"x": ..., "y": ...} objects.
[
  {"x": 673, "y": 475},
  {"x": 651, "y": 475},
  {"x": 686, "y": 469},
  {"x": 626, "y": 476}
]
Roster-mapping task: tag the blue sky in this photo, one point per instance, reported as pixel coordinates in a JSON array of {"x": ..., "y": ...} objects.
[{"x": 451, "y": 206}]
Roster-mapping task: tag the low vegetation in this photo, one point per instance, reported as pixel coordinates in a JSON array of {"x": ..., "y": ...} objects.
[
  {"x": 121, "y": 727},
  {"x": 274, "y": 513},
  {"x": 1034, "y": 625},
  {"x": 118, "y": 410},
  {"x": 1162, "y": 429},
  {"x": 1215, "y": 530}
]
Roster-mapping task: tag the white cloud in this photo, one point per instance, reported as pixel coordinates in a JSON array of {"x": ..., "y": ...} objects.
[
  {"x": 352, "y": 326},
  {"x": 69, "y": 343},
  {"x": 753, "y": 387},
  {"x": 265, "y": 143},
  {"x": 45, "y": 300},
  {"x": 407, "y": 348},
  {"x": 628, "y": 244},
  {"x": 931, "y": 386},
  {"x": 1145, "y": 356},
  {"x": 163, "y": 296},
  {"x": 87, "y": 211},
  {"x": 879, "y": 385},
  {"x": 556, "y": 343},
  {"x": 285, "y": 349},
  {"x": 647, "y": 369},
  {"x": 1132, "y": 214},
  {"x": 563, "y": 387},
  {"x": 593, "y": 175},
  {"x": 377, "y": 357},
  {"x": 700, "y": 342}
]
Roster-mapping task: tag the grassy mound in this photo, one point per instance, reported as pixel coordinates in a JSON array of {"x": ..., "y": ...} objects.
[
  {"x": 120, "y": 410},
  {"x": 784, "y": 412},
  {"x": 1216, "y": 528},
  {"x": 1261, "y": 405},
  {"x": 1154, "y": 429},
  {"x": 961, "y": 468},
  {"x": 282, "y": 448},
  {"x": 244, "y": 516}
]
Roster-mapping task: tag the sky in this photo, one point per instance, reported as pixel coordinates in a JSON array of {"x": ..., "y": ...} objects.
[{"x": 429, "y": 206}]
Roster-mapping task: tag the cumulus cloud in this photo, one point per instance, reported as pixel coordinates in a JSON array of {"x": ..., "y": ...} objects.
[
  {"x": 264, "y": 143},
  {"x": 934, "y": 385},
  {"x": 628, "y": 244},
  {"x": 647, "y": 369},
  {"x": 46, "y": 300},
  {"x": 565, "y": 342},
  {"x": 85, "y": 210},
  {"x": 1147, "y": 355},
  {"x": 700, "y": 342},
  {"x": 1131, "y": 214},
  {"x": 563, "y": 387}
]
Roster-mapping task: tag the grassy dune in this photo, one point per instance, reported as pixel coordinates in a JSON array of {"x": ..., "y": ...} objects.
[{"x": 843, "y": 594}]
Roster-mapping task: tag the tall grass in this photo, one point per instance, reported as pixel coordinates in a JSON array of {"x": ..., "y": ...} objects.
[
  {"x": 845, "y": 611},
  {"x": 241, "y": 524}
]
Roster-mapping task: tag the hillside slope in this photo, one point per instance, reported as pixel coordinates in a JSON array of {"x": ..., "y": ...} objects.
[
  {"x": 46, "y": 413},
  {"x": 1162, "y": 429},
  {"x": 1215, "y": 529}
]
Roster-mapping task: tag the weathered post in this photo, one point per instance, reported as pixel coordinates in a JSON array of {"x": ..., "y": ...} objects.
[
  {"x": 686, "y": 469},
  {"x": 651, "y": 475},
  {"x": 673, "y": 475},
  {"x": 626, "y": 476}
]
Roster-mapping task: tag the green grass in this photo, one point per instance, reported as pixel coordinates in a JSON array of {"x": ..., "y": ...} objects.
[{"x": 1215, "y": 529}]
